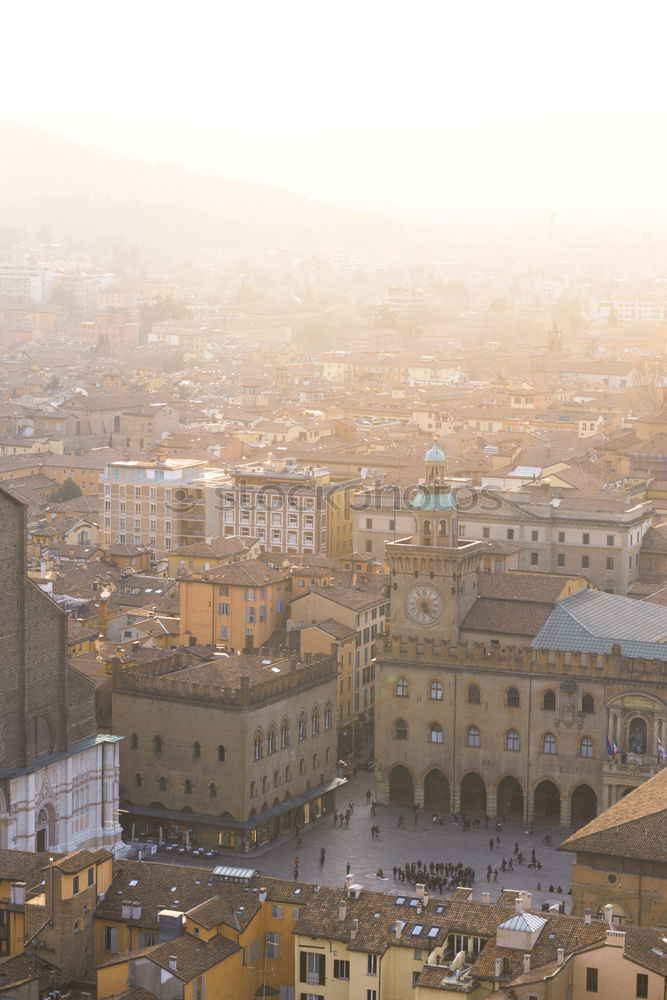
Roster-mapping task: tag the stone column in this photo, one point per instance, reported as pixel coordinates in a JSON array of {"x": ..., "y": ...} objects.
[
  {"x": 419, "y": 793},
  {"x": 492, "y": 804},
  {"x": 565, "y": 810}
]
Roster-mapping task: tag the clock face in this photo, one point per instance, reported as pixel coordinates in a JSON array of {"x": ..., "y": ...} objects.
[{"x": 424, "y": 604}]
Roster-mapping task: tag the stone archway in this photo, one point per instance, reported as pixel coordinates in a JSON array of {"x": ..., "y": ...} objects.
[
  {"x": 547, "y": 802},
  {"x": 509, "y": 797},
  {"x": 584, "y": 805},
  {"x": 437, "y": 796},
  {"x": 401, "y": 787},
  {"x": 473, "y": 794},
  {"x": 45, "y": 828}
]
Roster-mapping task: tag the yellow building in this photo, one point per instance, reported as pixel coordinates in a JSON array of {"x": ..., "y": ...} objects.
[{"x": 239, "y": 605}]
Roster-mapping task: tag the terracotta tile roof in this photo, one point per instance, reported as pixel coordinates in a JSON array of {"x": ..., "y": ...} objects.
[
  {"x": 634, "y": 827},
  {"x": 24, "y": 866},
  {"x": 193, "y": 956},
  {"x": 509, "y": 617},
  {"x": 249, "y": 573},
  {"x": 77, "y": 861}
]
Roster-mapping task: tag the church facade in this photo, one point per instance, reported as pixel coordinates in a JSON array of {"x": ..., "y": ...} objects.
[
  {"x": 58, "y": 777},
  {"x": 493, "y": 729}
]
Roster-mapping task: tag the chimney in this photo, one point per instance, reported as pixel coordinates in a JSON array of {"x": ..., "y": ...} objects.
[
  {"x": 518, "y": 903},
  {"x": 526, "y": 963},
  {"x": 172, "y": 963},
  {"x": 527, "y": 900},
  {"x": 498, "y": 970},
  {"x": 609, "y": 913},
  {"x": 398, "y": 929},
  {"x": 354, "y": 930},
  {"x": 560, "y": 955},
  {"x": 342, "y": 909},
  {"x": 349, "y": 880},
  {"x": 587, "y": 916},
  {"x": 420, "y": 890},
  {"x": 486, "y": 897},
  {"x": 262, "y": 894}
]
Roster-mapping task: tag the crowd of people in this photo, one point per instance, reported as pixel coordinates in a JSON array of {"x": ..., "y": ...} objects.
[{"x": 437, "y": 876}]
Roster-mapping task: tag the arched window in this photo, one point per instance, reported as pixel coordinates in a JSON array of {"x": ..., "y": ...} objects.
[
  {"x": 588, "y": 704},
  {"x": 258, "y": 750},
  {"x": 253, "y": 789},
  {"x": 442, "y": 527},
  {"x": 435, "y": 691},
  {"x": 187, "y": 786},
  {"x": 221, "y": 752},
  {"x": 276, "y": 778},
  {"x": 157, "y": 744},
  {"x": 138, "y": 780},
  {"x": 401, "y": 690},
  {"x": 512, "y": 740},
  {"x": 435, "y": 733},
  {"x": 327, "y": 755},
  {"x": 549, "y": 701},
  {"x": 284, "y": 734},
  {"x": 427, "y": 527},
  {"x": 473, "y": 738},
  {"x": 162, "y": 784},
  {"x": 316, "y": 762},
  {"x": 513, "y": 698},
  {"x": 134, "y": 741},
  {"x": 550, "y": 745},
  {"x": 288, "y": 773},
  {"x": 78, "y": 926},
  {"x": 586, "y": 747},
  {"x": 328, "y": 716},
  {"x": 315, "y": 721},
  {"x": 196, "y": 750},
  {"x": 400, "y": 730},
  {"x": 213, "y": 790},
  {"x": 473, "y": 695},
  {"x": 271, "y": 740},
  {"x": 303, "y": 719},
  {"x": 302, "y": 766}
]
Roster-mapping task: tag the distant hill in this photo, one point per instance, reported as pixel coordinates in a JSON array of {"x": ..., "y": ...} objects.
[{"x": 87, "y": 193}]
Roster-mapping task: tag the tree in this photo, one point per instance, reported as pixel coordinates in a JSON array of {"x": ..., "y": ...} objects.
[{"x": 67, "y": 491}]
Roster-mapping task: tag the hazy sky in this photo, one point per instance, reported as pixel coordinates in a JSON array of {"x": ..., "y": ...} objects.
[{"x": 423, "y": 109}]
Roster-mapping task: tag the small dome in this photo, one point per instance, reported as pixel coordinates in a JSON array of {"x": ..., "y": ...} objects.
[{"x": 434, "y": 454}]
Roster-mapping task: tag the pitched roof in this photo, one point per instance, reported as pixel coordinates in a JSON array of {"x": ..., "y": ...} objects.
[
  {"x": 634, "y": 827},
  {"x": 593, "y": 621}
]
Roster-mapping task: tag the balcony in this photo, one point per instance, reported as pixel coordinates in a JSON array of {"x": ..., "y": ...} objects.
[{"x": 633, "y": 766}]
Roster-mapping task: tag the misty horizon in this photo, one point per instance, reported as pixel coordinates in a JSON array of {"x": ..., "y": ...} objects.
[{"x": 478, "y": 116}]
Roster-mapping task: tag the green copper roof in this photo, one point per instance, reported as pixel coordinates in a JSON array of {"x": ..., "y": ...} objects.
[
  {"x": 433, "y": 499},
  {"x": 434, "y": 454}
]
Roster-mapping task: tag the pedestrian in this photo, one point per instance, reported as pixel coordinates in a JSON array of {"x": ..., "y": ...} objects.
[
  {"x": 296, "y": 873},
  {"x": 347, "y": 868},
  {"x": 491, "y": 844},
  {"x": 299, "y": 841},
  {"x": 368, "y": 796},
  {"x": 323, "y": 855}
]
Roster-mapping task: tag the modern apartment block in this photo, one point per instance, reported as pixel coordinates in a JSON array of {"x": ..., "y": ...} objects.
[
  {"x": 153, "y": 503},
  {"x": 288, "y": 508}
]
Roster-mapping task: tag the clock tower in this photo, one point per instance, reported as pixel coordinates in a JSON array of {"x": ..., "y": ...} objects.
[{"x": 433, "y": 573}]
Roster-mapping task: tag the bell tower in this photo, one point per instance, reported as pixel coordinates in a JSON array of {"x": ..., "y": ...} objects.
[{"x": 433, "y": 573}]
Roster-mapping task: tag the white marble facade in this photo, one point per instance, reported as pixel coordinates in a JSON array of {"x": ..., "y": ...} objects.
[{"x": 65, "y": 801}]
